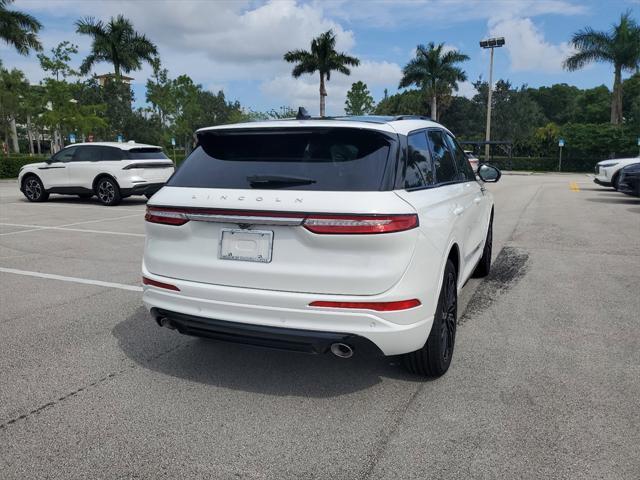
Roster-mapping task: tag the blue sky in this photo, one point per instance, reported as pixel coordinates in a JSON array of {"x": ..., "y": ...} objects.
[{"x": 238, "y": 45}]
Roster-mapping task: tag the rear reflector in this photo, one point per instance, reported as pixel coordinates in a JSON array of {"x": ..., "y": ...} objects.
[
  {"x": 315, "y": 223},
  {"x": 377, "y": 306},
  {"x": 357, "y": 224},
  {"x": 154, "y": 283}
]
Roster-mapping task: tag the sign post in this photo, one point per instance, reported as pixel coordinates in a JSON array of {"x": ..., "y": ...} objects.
[
  {"x": 560, "y": 144},
  {"x": 120, "y": 138},
  {"x": 72, "y": 138},
  {"x": 173, "y": 144}
]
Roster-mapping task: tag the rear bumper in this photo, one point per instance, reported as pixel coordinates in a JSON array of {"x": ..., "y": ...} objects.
[
  {"x": 142, "y": 189},
  {"x": 284, "y": 319},
  {"x": 308, "y": 341}
]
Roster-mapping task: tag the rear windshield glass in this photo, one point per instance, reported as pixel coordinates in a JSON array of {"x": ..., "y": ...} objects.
[
  {"x": 143, "y": 153},
  {"x": 331, "y": 159}
]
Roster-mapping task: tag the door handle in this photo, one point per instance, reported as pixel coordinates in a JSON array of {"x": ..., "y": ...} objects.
[
  {"x": 458, "y": 210},
  {"x": 477, "y": 200}
]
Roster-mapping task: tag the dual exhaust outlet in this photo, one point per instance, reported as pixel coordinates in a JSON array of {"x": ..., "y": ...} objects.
[{"x": 339, "y": 349}]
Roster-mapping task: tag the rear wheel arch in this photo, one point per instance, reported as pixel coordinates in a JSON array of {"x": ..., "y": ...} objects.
[
  {"x": 100, "y": 177},
  {"x": 454, "y": 256}
]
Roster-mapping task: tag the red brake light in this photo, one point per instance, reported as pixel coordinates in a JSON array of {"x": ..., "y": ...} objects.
[
  {"x": 154, "y": 283},
  {"x": 357, "y": 224},
  {"x": 165, "y": 216},
  {"x": 377, "y": 306}
]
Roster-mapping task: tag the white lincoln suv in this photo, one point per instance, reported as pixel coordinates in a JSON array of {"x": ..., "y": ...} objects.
[
  {"x": 321, "y": 235},
  {"x": 109, "y": 170}
]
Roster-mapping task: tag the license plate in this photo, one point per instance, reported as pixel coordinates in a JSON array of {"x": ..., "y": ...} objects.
[{"x": 246, "y": 245}]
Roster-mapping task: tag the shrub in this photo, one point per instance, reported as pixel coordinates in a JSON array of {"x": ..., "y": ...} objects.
[{"x": 10, "y": 164}]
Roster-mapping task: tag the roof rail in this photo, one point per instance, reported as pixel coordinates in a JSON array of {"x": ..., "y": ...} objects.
[{"x": 412, "y": 117}]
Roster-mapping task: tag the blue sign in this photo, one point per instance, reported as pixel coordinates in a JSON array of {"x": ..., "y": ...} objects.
[
  {"x": 561, "y": 142},
  {"x": 173, "y": 141},
  {"x": 120, "y": 138},
  {"x": 72, "y": 138}
]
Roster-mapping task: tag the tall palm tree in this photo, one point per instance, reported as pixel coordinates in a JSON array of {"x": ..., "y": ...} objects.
[
  {"x": 19, "y": 29},
  {"x": 620, "y": 46},
  {"x": 435, "y": 72},
  {"x": 322, "y": 58},
  {"x": 115, "y": 42}
]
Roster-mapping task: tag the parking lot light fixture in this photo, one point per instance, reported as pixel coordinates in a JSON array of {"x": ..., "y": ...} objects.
[{"x": 491, "y": 44}]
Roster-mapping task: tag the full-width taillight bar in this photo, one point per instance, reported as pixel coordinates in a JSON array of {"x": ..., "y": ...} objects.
[{"x": 316, "y": 223}]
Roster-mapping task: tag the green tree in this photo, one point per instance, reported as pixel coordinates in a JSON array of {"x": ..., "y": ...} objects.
[
  {"x": 322, "y": 58},
  {"x": 58, "y": 62},
  {"x": 159, "y": 93},
  {"x": 631, "y": 100},
  {"x": 13, "y": 86},
  {"x": 620, "y": 46},
  {"x": 594, "y": 105},
  {"x": 409, "y": 102},
  {"x": 434, "y": 72},
  {"x": 19, "y": 29},
  {"x": 115, "y": 42},
  {"x": 359, "y": 100},
  {"x": 559, "y": 102}
]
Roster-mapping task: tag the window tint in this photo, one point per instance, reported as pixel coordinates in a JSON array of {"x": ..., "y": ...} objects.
[
  {"x": 146, "y": 153},
  {"x": 465, "y": 172},
  {"x": 65, "y": 155},
  {"x": 419, "y": 169},
  {"x": 442, "y": 160},
  {"x": 330, "y": 159},
  {"x": 111, "y": 153},
  {"x": 87, "y": 154}
]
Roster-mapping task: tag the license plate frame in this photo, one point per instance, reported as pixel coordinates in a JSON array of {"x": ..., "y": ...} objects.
[{"x": 229, "y": 245}]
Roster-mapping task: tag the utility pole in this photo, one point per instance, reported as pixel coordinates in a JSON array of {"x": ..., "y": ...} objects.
[{"x": 491, "y": 44}]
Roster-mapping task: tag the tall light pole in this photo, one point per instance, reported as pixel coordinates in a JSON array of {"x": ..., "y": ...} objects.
[{"x": 490, "y": 43}]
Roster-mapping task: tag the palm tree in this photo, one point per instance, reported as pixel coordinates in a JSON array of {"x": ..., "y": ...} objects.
[
  {"x": 620, "y": 46},
  {"x": 322, "y": 58},
  {"x": 115, "y": 42},
  {"x": 435, "y": 72},
  {"x": 19, "y": 29}
]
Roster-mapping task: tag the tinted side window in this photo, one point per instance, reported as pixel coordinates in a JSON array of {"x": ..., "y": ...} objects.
[
  {"x": 442, "y": 159},
  {"x": 419, "y": 169},
  {"x": 65, "y": 155},
  {"x": 146, "y": 153},
  {"x": 110, "y": 153},
  {"x": 465, "y": 172},
  {"x": 87, "y": 154}
]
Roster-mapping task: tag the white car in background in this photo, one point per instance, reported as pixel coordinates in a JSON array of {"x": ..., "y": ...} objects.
[
  {"x": 321, "y": 235},
  {"x": 608, "y": 171},
  {"x": 109, "y": 170}
]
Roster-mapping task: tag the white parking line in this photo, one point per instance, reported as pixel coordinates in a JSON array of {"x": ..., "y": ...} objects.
[
  {"x": 67, "y": 205},
  {"x": 34, "y": 228},
  {"x": 85, "y": 281}
]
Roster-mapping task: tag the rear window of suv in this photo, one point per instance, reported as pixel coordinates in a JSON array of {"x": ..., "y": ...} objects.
[{"x": 330, "y": 159}]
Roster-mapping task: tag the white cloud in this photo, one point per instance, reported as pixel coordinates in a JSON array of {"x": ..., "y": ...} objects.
[
  {"x": 304, "y": 91},
  {"x": 527, "y": 47},
  {"x": 393, "y": 13},
  {"x": 466, "y": 89}
]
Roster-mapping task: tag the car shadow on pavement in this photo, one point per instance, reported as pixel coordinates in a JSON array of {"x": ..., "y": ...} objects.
[
  {"x": 618, "y": 200},
  {"x": 247, "y": 368},
  {"x": 73, "y": 200}
]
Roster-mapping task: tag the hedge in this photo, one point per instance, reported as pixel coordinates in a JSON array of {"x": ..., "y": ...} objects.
[{"x": 10, "y": 164}]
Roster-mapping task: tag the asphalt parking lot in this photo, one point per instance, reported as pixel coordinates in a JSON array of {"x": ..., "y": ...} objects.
[{"x": 545, "y": 382}]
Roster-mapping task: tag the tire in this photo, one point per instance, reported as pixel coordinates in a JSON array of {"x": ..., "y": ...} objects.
[
  {"x": 434, "y": 358},
  {"x": 34, "y": 190},
  {"x": 484, "y": 264},
  {"x": 108, "y": 191},
  {"x": 85, "y": 196},
  {"x": 614, "y": 181}
]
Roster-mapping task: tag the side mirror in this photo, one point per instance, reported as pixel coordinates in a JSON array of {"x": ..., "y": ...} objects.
[{"x": 489, "y": 173}]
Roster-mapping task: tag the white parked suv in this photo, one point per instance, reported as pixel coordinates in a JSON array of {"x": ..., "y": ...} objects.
[
  {"x": 608, "y": 171},
  {"x": 109, "y": 170},
  {"x": 321, "y": 235}
]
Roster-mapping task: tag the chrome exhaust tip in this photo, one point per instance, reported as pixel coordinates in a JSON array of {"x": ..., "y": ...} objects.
[{"x": 342, "y": 350}]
